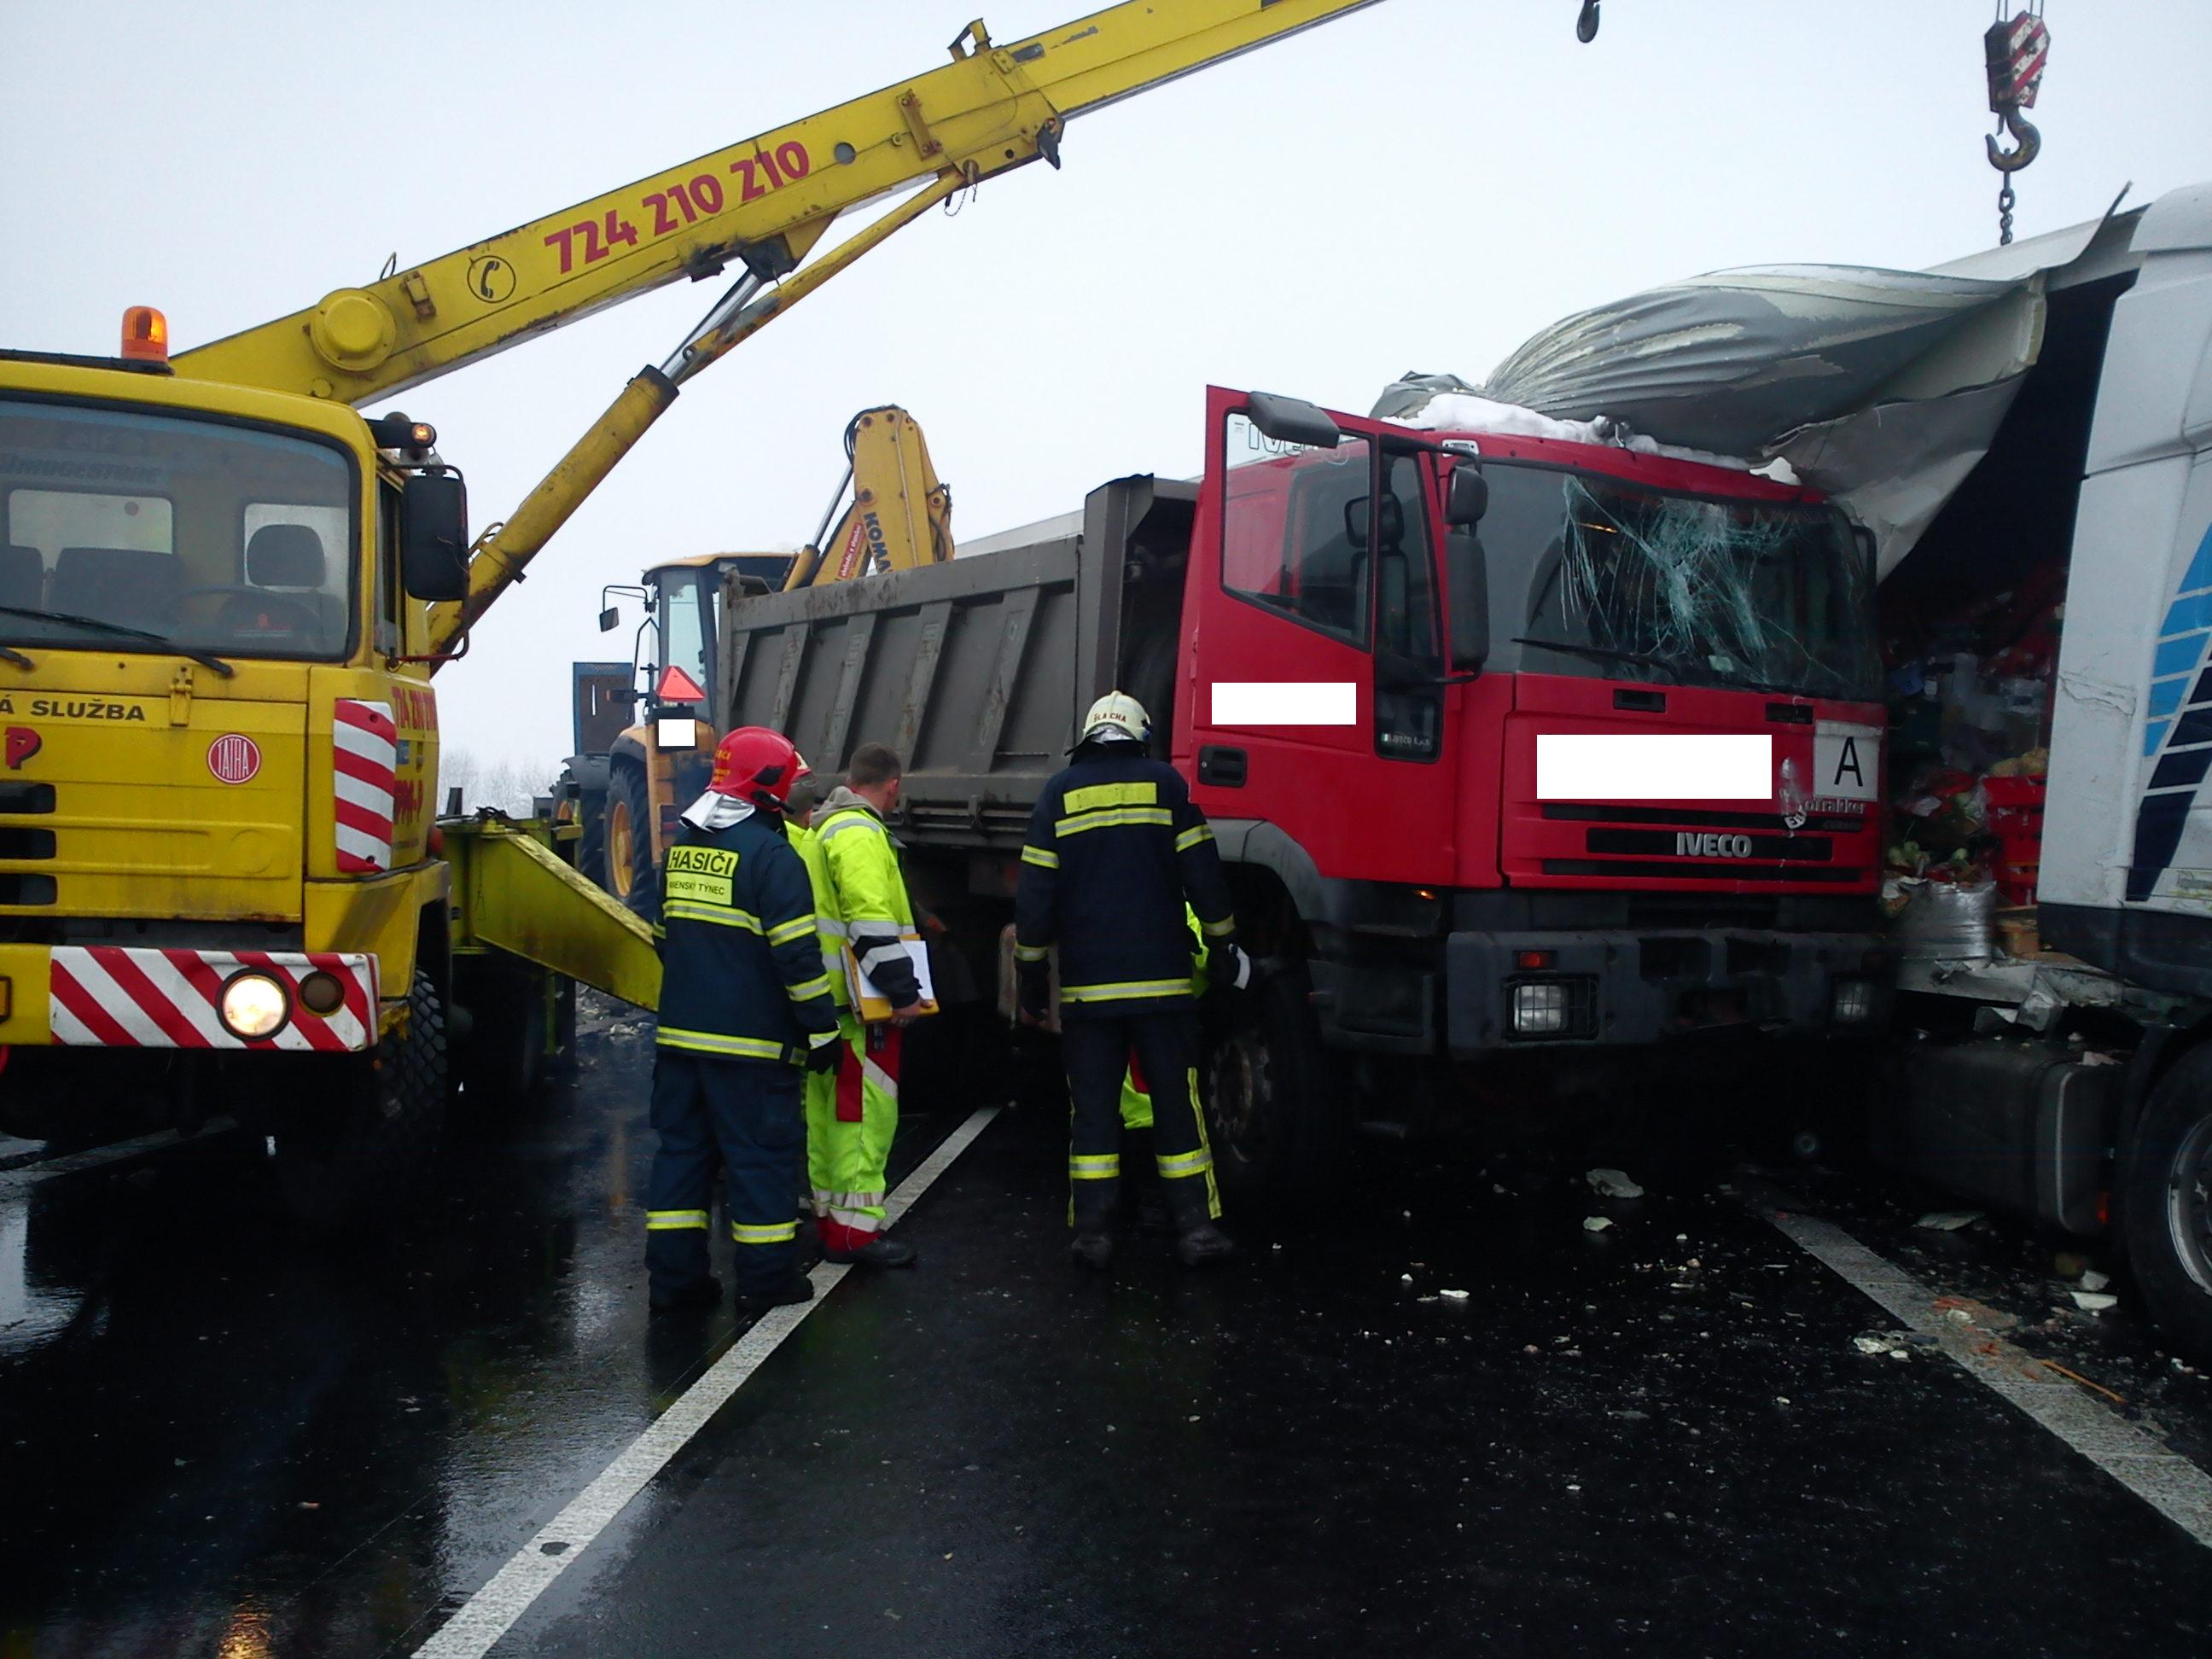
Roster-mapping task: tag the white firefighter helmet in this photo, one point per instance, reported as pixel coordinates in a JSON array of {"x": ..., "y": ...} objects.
[{"x": 1117, "y": 717}]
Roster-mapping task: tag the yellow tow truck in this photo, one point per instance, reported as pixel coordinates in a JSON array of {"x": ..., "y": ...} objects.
[{"x": 224, "y": 888}]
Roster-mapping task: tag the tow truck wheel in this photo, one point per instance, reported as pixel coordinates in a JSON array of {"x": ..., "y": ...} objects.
[
  {"x": 2166, "y": 1206},
  {"x": 629, "y": 841},
  {"x": 359, "y": 1158},
  {"x": 1271, "y": 1113}
]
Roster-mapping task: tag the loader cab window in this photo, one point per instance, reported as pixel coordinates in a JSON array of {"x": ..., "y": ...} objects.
[
  {"x": 687, "y": 624},
  {"x": 213, "y": 535}
]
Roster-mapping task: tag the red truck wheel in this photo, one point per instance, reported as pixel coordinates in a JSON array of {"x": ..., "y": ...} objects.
[
  {"x": 2166, "y": 1206},
  {"x": 1273, "y": 1114}
]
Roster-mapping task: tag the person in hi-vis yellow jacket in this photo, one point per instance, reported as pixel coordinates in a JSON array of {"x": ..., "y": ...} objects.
[{"x": 861, "y": 903}]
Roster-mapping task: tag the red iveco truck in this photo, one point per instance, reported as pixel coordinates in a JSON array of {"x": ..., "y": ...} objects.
[{"x": 1518, "y": 749}]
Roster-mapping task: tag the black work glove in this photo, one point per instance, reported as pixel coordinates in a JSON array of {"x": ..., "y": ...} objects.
[
  {"x": 1227, "y": 968},
  {"x": 1033, "y": 990},
  {"x": 826, "y": 1058}
]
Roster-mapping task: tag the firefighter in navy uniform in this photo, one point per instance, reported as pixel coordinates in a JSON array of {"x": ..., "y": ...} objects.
[
  {"x": 1115, "y": 849},
  {"x": 744, "y": 1005}
]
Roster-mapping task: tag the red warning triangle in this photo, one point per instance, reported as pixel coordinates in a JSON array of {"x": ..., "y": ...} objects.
[{"x": 676, "y": 686}]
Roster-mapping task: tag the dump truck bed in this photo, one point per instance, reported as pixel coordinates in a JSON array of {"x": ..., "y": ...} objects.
[{"x": 974, "y": 670}]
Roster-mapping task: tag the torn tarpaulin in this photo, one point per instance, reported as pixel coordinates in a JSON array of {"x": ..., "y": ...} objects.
[{"x": 1881, "y": 388}]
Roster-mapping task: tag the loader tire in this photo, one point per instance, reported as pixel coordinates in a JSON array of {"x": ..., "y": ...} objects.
[
  {"x": 1273, "y": 1112},
  {"x": 2166, "y": 1206},
  {"x": 627, "y": 844},
  {"x": 360, "y": 1159},
  {"x": 592, "y": 844}
]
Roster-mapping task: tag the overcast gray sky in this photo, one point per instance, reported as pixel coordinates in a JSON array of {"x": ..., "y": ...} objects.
[{"x": 1418, "y": 186}]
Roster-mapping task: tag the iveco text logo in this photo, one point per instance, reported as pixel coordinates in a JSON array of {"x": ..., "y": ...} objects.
[{"x": 1689, "y": 845}]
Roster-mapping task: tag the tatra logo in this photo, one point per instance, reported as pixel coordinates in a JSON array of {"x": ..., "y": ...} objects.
[
  {"x": 23, "y": 741},
  {"x": 1689, "y": 844}
]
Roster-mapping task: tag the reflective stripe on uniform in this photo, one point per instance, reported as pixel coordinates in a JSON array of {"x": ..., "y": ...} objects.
[
  {"x": 670, "y": 1221},
  {"x": 1093, "y": 797},
  {"x": 784, "y": 932},
  {"x": 719, "y": 915},
  {"x": 849, "y": 818},
  {"x": 1113, "y": 816},
  {"x": 772, "y": 1232},
  {"x": 872, "y": 1072},
  {"x": 1093, "y": 1166},
  {"x": 1191, "y": 837},
  {"x": 817, "y": 986},
  {"x": 1039, "y": 857},
  {"x": 719, "y": 1042},
  {"x": 1124, "y": 990},
  {"x": 1031, "y": 952},
  {"x": 1177, "y": 1166},
  {"x": 1221, "y": 929}
]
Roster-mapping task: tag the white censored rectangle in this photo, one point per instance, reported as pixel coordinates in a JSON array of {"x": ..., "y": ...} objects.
[
  {"x": 1654, "y": 766},
  {"x": 1285, "y": 703}
]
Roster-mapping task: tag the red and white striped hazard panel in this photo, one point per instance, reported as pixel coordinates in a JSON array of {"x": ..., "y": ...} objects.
[
  {"x": 108, "y": 996},
  {"x": 364, "y": 751}
]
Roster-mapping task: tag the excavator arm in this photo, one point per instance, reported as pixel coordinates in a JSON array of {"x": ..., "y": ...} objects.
[
  {"x": 901, "y": 514},
  {"x": 763, "y": 204}
]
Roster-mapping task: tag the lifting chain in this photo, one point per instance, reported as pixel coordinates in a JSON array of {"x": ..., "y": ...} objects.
[{"x": 2015, "y": 51}]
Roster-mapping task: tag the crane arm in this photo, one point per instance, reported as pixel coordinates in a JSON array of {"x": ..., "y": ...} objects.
[{"x": 762, "y": 203}]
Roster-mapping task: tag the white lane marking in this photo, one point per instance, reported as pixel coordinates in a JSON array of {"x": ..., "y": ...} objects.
[
  {"x": 1285, "y": 703},
  {"x": 2163, "y": 1478},
  {"x": 1643, "y": 765},
  {"x": 487, "y": 1616},
  {"x": 30, "y": 1175}
]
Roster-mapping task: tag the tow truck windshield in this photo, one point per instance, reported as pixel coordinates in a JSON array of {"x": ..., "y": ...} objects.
[
  {"x": 207, "y": 537},
  {"x": 1618, "y": 580}
]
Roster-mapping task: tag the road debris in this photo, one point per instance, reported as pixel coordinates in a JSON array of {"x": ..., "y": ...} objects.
[
  {"x": 1612, "y": 1184},
  {"x": 1453, "y": 1296},
  {"x": 2095, "y": 1302},
  {"x": 1891, "y": 1343},
  {"x": 1596, "y": 1224},
  {"x": 1948, "y": 1221}
]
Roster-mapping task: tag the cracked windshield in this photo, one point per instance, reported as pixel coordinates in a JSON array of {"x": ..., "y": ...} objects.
[
  {"x": 210, "y": 536},
  {"x": 1632, "y": 583}
]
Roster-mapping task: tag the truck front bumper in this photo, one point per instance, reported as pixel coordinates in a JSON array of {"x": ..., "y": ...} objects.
[
  {"x": 129, "y": 997},
  {"x": 1619, "y": 989}
]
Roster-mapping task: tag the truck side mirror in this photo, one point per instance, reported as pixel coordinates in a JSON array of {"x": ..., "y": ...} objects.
[
  {"x": 1470, "y": 496},
  {"x": 1293, "y": 421},
  {"x": 1356, "y": 517},
  {"x": 434, "y": 536},
  {"x": 610, "y": 619},
  {"x": 1467, "y": 600}
]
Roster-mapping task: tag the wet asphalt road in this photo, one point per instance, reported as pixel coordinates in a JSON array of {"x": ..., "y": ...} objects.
[{"x": 217, "y": 1439}]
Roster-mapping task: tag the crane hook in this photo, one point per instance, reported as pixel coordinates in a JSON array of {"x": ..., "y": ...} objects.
[
  {"x": 2031, "y": 143},
  {"x": 1586, "y": 24}
]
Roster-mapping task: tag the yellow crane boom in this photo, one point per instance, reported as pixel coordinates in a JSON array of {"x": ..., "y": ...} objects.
[{"x": 763, "y": 203}]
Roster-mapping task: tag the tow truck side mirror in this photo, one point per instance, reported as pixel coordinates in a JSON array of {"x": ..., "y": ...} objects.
[
  {"x": 434, "y": 536},
  {"x": 1394, "y": 521}
]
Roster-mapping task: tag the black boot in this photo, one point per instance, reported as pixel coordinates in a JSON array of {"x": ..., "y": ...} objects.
[
  {"x": 878, "y": 1252},
  {"x": 697, "y": 1297},
  {"x": 788, "y": 1293},
  {"x": 1093, "y": 1244},
  {"x": 1198, "y": 1243}
]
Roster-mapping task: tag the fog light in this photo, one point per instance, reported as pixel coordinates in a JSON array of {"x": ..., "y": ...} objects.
[
  {"x": 321, "y": 992},
  {"x": 1540, "y": 1010},
  {"x": 1854, "y": 1001},
  {"x": 253, "y": 1006}
]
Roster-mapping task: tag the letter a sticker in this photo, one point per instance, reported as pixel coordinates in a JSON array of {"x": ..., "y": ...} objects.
[{"x": 1846, "y": 760}]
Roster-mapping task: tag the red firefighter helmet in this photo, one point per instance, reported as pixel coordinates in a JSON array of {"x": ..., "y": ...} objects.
[{"x": 757, "y": 765}]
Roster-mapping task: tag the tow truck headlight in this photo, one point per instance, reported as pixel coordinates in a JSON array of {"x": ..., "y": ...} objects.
[
  {"x": 253, "y": 1006},
  {"x": 1854, "y": 1004}
]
